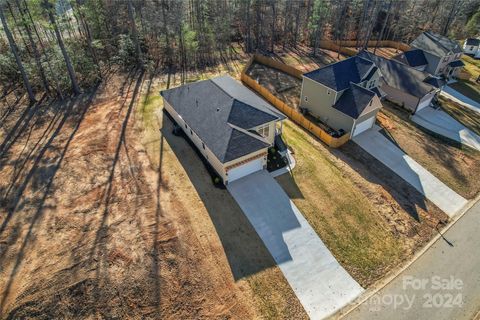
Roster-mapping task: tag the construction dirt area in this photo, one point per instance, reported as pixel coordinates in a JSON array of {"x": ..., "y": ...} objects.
[{"x": 107, "y": 214}]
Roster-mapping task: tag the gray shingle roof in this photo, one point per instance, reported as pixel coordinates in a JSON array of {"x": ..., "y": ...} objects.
[
  {"x": 338, "y": 76},
  {"x": 354, "y": 101},
  {"x": 436, "y": 44},
  {"x": 413, "y": 58},
  {"x": 456, "y": 63},
  {"x": 220, "y": 111},
  {"x": 472, "y": 42},
  {"x": 400, "y": 76}
]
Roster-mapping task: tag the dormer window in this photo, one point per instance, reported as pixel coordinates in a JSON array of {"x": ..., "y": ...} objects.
[{"x": 264, "y": 131}]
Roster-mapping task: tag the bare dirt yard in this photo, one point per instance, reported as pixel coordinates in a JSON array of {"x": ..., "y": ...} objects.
[
  {"x": 105, "y": 216},
  {"x": 455, "y": 165}
]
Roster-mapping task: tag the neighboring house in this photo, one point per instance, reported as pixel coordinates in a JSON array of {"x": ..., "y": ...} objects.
[
  {"x": 230, "y": 125},
  {"x": 472, "y": 46},
  {"x": 402, "y": 84},
  {"x": 442, "y": 54},
  {"x": 342, "y": 95}
]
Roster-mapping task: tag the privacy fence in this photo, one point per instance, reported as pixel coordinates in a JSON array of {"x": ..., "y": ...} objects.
[
  {"x": 289, "y": 111},
  {"x": 345, "y": 46}
]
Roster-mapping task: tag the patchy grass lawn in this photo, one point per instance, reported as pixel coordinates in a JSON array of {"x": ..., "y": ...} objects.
[
  {"x": 456, "y": 166},
  {"x": 468, "y": 89},
  {"x": 224, "y": 233},
  {"x": 464, "y": 115},
  {"x": 471, "y": 65},
  {"x": 359, "y": 220}
]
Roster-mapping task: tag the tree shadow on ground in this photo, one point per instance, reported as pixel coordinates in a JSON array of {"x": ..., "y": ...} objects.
[
  {"x": 245, "y": 251},
  {"x": 43, "y": 171},
  {"x": 376, "y": 172}
]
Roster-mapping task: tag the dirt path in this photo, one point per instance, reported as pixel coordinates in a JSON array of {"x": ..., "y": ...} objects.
[{"x": 89, "y": 230}]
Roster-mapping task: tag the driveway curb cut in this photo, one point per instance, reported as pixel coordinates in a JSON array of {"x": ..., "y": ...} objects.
[{"x": 384, "y": 282}]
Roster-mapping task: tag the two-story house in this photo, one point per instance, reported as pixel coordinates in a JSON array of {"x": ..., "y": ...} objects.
[
  {"x": 472, "y": 46},
  {"x": 441, "y": 54},
  {"x": 343, "y": 95}
]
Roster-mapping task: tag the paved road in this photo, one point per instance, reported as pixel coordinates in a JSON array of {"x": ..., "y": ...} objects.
[
  {"x": 442, "y": 123},
  {"x": 319, "y": 281},
  {"x": 408, "y": 169},
  {"x": 460, "y": 260}
]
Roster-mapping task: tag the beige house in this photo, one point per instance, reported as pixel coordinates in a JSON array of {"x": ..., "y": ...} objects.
[
  {"x": 231, "y": 126},
  {"x": 405, "y": 85},
  {"x": 441, "y": 54},
  {"x": 343, "y": 95}
]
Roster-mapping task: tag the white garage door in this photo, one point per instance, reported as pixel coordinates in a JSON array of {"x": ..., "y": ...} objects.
[
  {"x": 245, "y": 169},
  {"x": 364, "y": 125},
  {"x": 424, "y": 104}
]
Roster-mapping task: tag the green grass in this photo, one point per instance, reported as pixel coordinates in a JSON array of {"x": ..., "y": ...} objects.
[
  {"x": 471, "y": 65},
  {"x": 467, "y": 117},
  {"x": 338, "y": 211},
  {"x": 468, "y": 89}
]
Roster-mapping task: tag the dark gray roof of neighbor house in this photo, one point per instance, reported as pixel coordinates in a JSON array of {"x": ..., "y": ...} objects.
[
  {"x": 413, "y": 58},
  {"x": 400, "y": 76},
  {"x": 436, "y": 44},
  {"x": 354, "y": 100},
  {"x": 434, "y": 81},
  {"x": 338, "y": 76},
  {"x": 221, "y": 111},
  {"x": 456, "y": 63},
  {"x": 472, "y": 42}
]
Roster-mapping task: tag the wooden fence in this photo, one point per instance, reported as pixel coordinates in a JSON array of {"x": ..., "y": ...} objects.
[
  {"x": 290, "y": 112},
  {"x": 343, "y": 45}
]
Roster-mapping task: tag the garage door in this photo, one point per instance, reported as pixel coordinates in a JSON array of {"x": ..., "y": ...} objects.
[
  {"x": 364, "y": 125},
  {"x": 424, "y": 104},
  {"x": 245, "y": 169}
]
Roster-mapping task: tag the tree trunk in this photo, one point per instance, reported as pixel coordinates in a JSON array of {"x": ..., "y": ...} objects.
[
  {"x": 36, "y": 54},
  {"x": 13, "y": 47},
  {"x": 131, "y": 16},
  {"x": 66, "y": 57},
  {"x": 384, "y": 25}
]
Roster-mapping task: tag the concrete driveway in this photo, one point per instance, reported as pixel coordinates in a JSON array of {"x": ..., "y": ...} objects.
[
  {"x": 318, "y": 280},
  {"x": 460, "y": 98},
  {"x": 442, "y": 123},
  {"x": 408, "y": 169}
]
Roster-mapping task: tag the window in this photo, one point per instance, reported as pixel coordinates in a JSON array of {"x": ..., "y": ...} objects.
[
  {"x": 306, "y": 98},
  {"x": 191, "y": 132},
  {"x": 471, "y": 47},
  {"x": 186, "y": 127},
  {"x": 264, "y": 131},
  {"x": 203, "y": 145}
]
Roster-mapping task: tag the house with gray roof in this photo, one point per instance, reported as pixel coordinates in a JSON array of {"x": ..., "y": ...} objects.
[
  {"x": 343, "y": 95},
  {"x": 472, "y": 46},
  {"x": 231, "y": 126},
  {"x": 441, "y": 53},
  {"x": 405, "y": 85}
]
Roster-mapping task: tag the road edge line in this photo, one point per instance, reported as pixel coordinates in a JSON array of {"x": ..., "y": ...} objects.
[{"x": 395, "y": 274}]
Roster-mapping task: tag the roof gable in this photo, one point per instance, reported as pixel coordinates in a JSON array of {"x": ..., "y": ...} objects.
[
  {"x": 355, "y": 101},
  {"x": 413, "y": 58},
  {"x": 339, "y": 75},
  {"x": 246, "y": 117}
]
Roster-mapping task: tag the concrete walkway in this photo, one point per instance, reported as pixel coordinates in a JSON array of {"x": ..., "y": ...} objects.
[
  {"x": 454, "y": 256},
  {"x": 408, "y": 169},
  {"x": 319, "y": 281},
  {"x": 442, "y": 123},
  {"x": 456, "y": 96}
]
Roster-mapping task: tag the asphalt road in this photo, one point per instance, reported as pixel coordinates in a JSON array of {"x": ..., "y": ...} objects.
[{"x": 444, "y": 283}]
